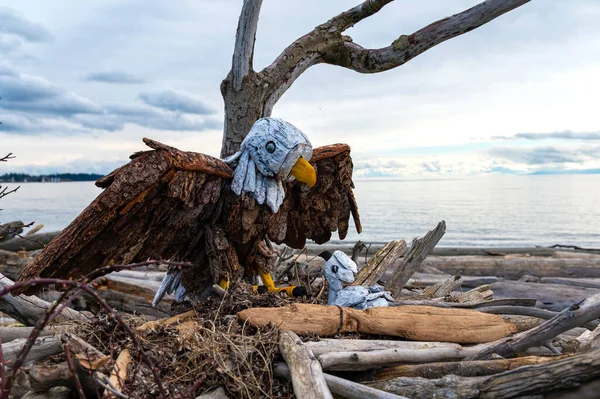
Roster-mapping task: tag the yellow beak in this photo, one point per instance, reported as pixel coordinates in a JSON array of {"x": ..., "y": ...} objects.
[{"x": 304, "y": 172}]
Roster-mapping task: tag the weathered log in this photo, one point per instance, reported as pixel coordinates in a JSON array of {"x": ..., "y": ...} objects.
[
  {"x": 329, "y": 345},
  {"x": 576, "y": 255},
  {"x": 11, "y": 263},
  {"x": 476, "y": 295},
  {"x": 573, "y": 316},
  {"x": 417, "y": 323},
  {"x": 10, "y": 230},
  {"x": 89, "y": 357},
  {"x": 529, "y": 311},
  {"x": 387, "y": 258},
  {"x": 539, "y": 379},
  {"x": 342, "y": 387},
  {"x": 575, "y": 282},
  {"x": 442, "y": 288},
  {"x": 139, "y": 275},
  {"x": 145, "y": 289},
  {"x": 420, "y": 248},
  {"x": 305, "y": 370},
  {"x": 389, "y": 357},
  {"x": 128, "y": 303},
  {"x": 554, "y": 297},
  {"x": 119, "y": 373},
  {"x": 8, "y": 334},
  {"x": 42, "y": 348},
  {"x": 28, "y": 309},
  {"x": 515, "y": 267},
  {"x": 31, "y": 243},
  {"x": 588, "y": 340},
  {"x": 419, "y": 279},
  {"x": 474, "y": 368},
  {"x": 467, "y": 305}
]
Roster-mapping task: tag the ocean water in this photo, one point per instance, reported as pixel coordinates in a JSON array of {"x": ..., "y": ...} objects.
[{"x": 479, "y": 211}]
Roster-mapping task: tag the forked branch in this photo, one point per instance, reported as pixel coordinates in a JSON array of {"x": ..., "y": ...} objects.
[{"x": 244, "y": 41}]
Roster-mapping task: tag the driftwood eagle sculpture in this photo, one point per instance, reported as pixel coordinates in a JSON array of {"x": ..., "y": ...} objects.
[{"x": 219, "y": 215}]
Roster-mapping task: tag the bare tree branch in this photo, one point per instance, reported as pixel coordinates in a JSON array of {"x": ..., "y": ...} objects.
[
  {"x": 408, "y": 47},
  {"x": 244, "y": 41},
  {"x": 326, "y": 44}
]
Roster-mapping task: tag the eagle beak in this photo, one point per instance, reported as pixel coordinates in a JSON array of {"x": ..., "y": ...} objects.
[{"x": 304, "y": 172}]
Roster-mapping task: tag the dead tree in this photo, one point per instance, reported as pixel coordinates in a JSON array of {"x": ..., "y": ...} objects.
[{"x": 250, "y": 95}]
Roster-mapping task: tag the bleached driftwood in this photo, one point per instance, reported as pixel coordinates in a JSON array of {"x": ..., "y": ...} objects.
[
  {"x": 553, "y": 297},
  {"x": 575, "y": 282},
  {"x": 388, "y": 357},
  {"x": 387, "y": 258},
  {"x": 8, "y": 334},
  {"x": 515, "y": 267},
  {"x": 422, "y": 280},
  {"x": 475, "y": 368},
  {"x": 119, "y": 372},
  {"x": 442, "y": 288},
  {"x": 342, "y": 387},
  {"x": 573, "y": 316},
  {"x": 305, "y": 370},
  {"x": 31, "y": 243},
  {"x": 28, "y": 309},
  {"x": 329, "y": 345},
  {"x": 420, "y": 248},
  {"x": 531, "y": 381},
  {"x": 417, "y": 323},
  {"x": 42, "y": 348}
]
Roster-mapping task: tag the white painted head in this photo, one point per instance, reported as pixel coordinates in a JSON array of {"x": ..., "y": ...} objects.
[{"x": 273, "y": 151}]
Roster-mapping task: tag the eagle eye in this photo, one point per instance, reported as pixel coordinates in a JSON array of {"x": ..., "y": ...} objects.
[
  {"x": 270, "y": 147},
  {"x": 334, "y": 268}
]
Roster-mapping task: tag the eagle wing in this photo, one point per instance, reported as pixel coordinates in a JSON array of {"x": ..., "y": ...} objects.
[
  {"x": 157, "y": 206},
  {"x": 314, "y": 213}
]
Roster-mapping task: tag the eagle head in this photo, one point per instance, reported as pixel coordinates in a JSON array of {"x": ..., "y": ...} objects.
[{"x": 273, "y": 151}]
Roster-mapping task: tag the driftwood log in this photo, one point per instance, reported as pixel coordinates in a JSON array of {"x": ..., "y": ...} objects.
[
  {"x": 30, "y": 243},
  {"x": 420, "y": 248},
  {"x": 387, "y": 258},
  {"x": 28, "y": 309},
  {"x": 306, "y": 373},
  {"x": 411, "y": 322},
  {"x": 541, "y": 379},
  {"x": 516, "y": 267}
]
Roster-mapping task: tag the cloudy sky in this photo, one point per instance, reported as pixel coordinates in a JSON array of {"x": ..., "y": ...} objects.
[{"x": 81, "y": 82}]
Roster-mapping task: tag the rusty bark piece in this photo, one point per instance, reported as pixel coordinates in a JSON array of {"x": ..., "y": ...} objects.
[
  {"x": 418, "y": 323},
  {"x": 307, "y": 376},
  {"x": 386, "y": 258},
  {"x": 119, "y": 373},
  {"x": 474, "y": 368},
  {"x": 419, "y": 249}
]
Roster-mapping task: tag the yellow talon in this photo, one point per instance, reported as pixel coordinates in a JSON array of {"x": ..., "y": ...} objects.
[
  {"x": 269, "y": 286},
  {"x": 224, "y": 283}
]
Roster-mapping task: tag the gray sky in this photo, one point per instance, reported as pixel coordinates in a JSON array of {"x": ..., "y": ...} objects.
[{"x": 83, "y": 81}]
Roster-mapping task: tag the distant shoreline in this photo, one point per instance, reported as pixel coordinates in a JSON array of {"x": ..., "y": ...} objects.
[{"x": 52, "y": 178}]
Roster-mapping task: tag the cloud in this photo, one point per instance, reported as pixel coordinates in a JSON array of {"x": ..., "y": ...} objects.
[
  {"x": 546, "y": 155},
  {"x": 176, "y": 100},
  {"x": 13, "y": 23},
  {"x": 564, "y": 135},
  {"x": 114, "y": 77},
  {"x": 39, "y": 106},
  {"x": 33, "y": 94}
]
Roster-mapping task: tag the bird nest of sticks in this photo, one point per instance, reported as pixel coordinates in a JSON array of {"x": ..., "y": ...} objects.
[{"x": 203, "y": 351}]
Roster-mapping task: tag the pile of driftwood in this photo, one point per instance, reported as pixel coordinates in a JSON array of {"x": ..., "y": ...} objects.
[{"x": 465, "y": 323}]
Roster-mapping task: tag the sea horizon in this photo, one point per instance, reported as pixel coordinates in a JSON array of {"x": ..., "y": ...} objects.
[{"x": 480, "y": 211}]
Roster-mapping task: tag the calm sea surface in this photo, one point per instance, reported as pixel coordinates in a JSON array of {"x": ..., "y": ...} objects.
[{"x": 480, "y": 211}]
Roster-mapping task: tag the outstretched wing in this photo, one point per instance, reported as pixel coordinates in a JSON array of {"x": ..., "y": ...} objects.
[
  {"x": 157, "y": 206},
  {"x": 314, "y": 213}
]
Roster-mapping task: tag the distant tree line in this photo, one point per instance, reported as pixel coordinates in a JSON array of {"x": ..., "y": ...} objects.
[{"x": 57, "y": 177}]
